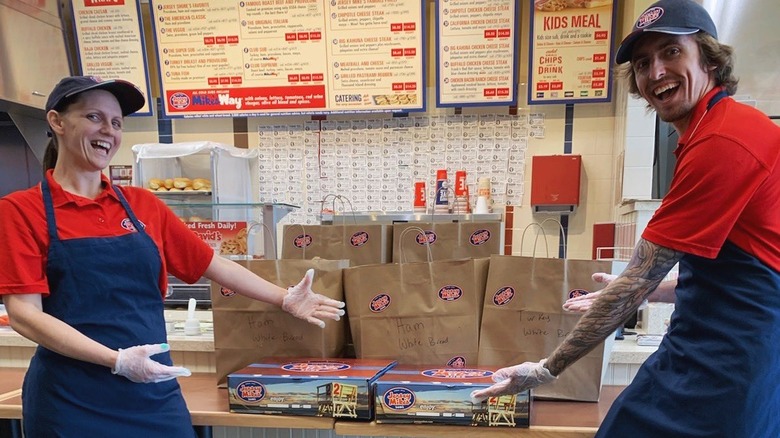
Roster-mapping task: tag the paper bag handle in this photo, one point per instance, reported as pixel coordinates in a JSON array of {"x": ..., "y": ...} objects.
[
  {"x": 268, "y": 231},
  {"x": 540, "y": 227},
  {"x": 401, "y": 243},
  {"x": 341, "y": 199}
]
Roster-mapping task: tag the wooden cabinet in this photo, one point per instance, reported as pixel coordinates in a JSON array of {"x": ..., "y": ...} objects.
[{"x": 33, "y": 54}]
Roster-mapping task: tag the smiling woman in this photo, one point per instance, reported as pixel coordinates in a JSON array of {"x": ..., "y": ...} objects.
[{"x": 84, "y": 274}]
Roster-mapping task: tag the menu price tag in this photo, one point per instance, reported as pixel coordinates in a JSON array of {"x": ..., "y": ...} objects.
[
  {"x": 223, "y": 58},
  {"x": 110, "y": 42},
  {"x": 570, "y": 55},
  {"x": 476, "y": 54}
]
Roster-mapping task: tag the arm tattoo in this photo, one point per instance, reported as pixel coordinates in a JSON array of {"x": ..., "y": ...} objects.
[{"x": 648, "y": 266}]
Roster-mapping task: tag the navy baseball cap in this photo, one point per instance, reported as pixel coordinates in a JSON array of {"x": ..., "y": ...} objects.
[
  {"x": 129, "y": 96},
  {"x": 676, "y": 17}
]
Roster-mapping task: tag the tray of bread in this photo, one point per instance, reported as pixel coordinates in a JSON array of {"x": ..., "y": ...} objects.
[{"x": 179, "y": 185}]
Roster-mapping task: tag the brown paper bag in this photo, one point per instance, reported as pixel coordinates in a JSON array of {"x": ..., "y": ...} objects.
[
  {"x": 523, "y": 320},
  {"x": 361, "y": 244},
  {"x": 447, "y": 240},
  {"x": 417, "y": 313},
  {"x": 247, "y": 330}
]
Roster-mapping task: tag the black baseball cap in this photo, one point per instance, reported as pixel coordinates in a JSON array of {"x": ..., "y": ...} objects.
[
  {"x": 676, "y": 17},
  {"x": 129, "y": 96}
]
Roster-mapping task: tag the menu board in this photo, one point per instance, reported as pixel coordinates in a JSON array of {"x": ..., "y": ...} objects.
[
  {"x": 110, "y": 42},
  {"x": 224, "y": 58},
  {"x": 476, "y": 54},
  {"x": 570, "y": 51}
]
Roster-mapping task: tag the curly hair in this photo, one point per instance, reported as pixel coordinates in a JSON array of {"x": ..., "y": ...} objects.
[{"x": 712, "y": 53}]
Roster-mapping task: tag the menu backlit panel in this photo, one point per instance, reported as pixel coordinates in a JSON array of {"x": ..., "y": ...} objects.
[
  {"x": 571, "y": 51},
  {"x": 476, "y": 56},
  {"x": 228, "y": 58}
]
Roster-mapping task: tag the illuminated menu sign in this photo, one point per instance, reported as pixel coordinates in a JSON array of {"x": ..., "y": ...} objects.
[
  {"x": 570, "y": 51},
  {"x": 110, "y": 42},
  {"x": 476, "y": 54},
  {"x": 273, "y": 57}
]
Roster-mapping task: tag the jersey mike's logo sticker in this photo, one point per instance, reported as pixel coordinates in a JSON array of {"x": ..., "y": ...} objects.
[
  {"x": 359, "y": 239},
  {"x": 225, "y": 292},
  {"x": 250, "y": 391},
  {"x": 179, "y": 100},
  {"x": 399, "y": 398},
  {"x": 379, "y": 303},
  {"x": 450, "y": 293},
  {"x": 479, "y": 237},
  {"x": 429, "y": 238},
  {"x": 649, "y": 17},
  {"x": 457, "y": 373},
  {"x": 577, "y": 293},
  {"x": 457, "y": 362},
  {"x": 315, "y": 366},
  {"x": 503, "y": 295},
  {"x": 302, "y": 241}
]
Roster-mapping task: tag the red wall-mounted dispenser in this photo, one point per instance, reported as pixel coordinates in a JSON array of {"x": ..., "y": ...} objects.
[{"x": 555, "y": 183}]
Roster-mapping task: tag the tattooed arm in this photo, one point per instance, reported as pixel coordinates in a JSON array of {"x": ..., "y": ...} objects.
[{"x": 618, "y": 301}]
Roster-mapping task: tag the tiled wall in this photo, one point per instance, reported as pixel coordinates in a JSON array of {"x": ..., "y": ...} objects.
[{"x": 638, "y": 151}]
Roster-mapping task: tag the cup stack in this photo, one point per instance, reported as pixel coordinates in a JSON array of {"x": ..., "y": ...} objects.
[
  {"x": 441, "y": 197},
  {"x": 483, "y": 196},
  {"x": 419, "y": 197},
  {"x": 461, "y": 203}
]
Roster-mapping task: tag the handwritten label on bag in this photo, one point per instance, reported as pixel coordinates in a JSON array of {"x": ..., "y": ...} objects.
[
  {"x": 264, "y": 330},
  {"x": 413, "y": 334},
  {"x": 541, "y": 325}
]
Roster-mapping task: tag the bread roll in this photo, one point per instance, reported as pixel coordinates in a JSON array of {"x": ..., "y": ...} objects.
[
  {"x": 169, "y": 183},
  {"x": 200, "y": 183},
  {"x": 181, "y": 183},
  {"x": 156, "y": 183}
]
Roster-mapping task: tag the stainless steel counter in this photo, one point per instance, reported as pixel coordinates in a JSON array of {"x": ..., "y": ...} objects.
[{"x": 405, "y": 216}]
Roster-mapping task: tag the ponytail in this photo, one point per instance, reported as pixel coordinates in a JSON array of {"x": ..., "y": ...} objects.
[{"x": 50, "y": 156}]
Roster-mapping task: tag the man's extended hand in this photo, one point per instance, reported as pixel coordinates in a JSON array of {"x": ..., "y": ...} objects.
[{"x": 515, "y": 379}]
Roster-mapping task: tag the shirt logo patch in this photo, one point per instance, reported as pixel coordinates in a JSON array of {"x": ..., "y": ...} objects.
[{"x": 127, "y": 224}]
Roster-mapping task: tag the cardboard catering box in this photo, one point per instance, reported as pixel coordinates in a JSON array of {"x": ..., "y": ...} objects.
[
  {"x": 338, "y": 388},
  {"x": 420, "y": 395}
]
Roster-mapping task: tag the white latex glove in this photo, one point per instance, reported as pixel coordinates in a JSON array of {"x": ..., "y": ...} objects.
[
  {"x": 303, "y": 303},
  {"x": 135, "y": 364},
  {"x": 603, "y": 277},
  {"x": 582, "y": 303},
  {"x": 515, "y": 379}
]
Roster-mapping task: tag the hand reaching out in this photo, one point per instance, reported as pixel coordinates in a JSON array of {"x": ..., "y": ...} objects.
[
  {"x": 515, "y": 379},
  {"x": 582, "y": 303},
  {"x": 135, "y": 364},
  {"x": 303, "y": 303}
]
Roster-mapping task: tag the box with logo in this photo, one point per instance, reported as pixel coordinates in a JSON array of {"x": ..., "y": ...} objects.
[
  {"x": 422, "y": 395},
  {"x": 338, "y": 388}
]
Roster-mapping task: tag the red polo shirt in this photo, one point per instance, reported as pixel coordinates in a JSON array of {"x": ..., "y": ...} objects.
[
  {"x": 726, "y": 185},
  {"x": 24, "y": 239}
]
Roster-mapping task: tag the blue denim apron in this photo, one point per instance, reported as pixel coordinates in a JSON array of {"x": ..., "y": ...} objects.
[
  {"x": 107, "y": 289},
  {"x": 717, "y": 372}
]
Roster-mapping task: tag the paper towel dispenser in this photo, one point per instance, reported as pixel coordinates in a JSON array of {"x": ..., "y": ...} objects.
[{"x": 555, "y": 183}]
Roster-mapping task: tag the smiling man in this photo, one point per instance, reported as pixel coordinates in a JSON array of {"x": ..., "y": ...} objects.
[{"x": 717, "y": 370}]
